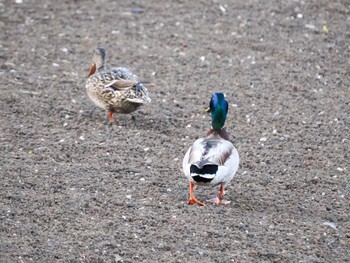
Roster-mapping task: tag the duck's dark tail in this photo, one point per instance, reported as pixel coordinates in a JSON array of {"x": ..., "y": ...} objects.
[{"x": 204, "y": 174}]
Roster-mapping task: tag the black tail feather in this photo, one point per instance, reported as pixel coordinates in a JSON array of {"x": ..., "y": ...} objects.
[{"x": 206, "y": 169}]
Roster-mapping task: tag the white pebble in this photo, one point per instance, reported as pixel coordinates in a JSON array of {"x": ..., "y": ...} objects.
[
  {"x": 331, "y": 224},
  {"x": 340, "y": 169},
  {"x": 82, "y": 138},
  {"x": 146, "y": 149},
  {"x": 202, "y": 58},
  {"x": 128, "y": 196},
  {"x": 55, "y": 64},
  {"x": 310, "y": 26},
  {"x": 263, "y": 139},
  {"x": 222, "y": 9},
  {"x": 188, "y": 126},
  {"x": 299, "y": 15}
]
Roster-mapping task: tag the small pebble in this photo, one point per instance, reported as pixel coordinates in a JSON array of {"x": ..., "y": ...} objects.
[
  {"x": 222, "y": 9},
  {"x": 137, "y": 10},
  {"x": 330, "y": 224},
  {"x": 325, "y": 29},
  {"x": 310, "y": 26}
]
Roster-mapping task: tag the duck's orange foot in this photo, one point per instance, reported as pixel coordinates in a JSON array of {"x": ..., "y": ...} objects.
[
  {"x": 218, "y": 201},
  {"x": 193, "y": 201}
]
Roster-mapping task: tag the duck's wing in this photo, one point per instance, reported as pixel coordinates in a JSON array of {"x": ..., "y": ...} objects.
[
  {"x": 121, "y": 80},
  {"x": 121, "y": 84}
]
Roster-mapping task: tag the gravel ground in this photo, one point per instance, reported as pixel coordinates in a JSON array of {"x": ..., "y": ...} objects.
[{"x": 75, "y": 188}]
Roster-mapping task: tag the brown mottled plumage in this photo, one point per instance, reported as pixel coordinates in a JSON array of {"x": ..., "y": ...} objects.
[{"x": 116, "y": 90}]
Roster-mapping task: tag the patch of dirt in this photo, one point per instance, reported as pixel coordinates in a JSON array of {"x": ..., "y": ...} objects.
[{"x": 75, "y": 188}]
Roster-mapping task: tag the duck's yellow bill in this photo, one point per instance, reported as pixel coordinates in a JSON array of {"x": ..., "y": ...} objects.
[{"x": 207, "y": 109}]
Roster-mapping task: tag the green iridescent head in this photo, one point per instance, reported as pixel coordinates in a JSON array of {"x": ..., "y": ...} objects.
[{"x": 218, "y": 108}]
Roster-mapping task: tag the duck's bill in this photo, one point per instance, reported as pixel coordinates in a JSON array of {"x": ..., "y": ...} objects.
[
  {"x": 207, "y": 109},
  {"x": 92, "y": 69}
]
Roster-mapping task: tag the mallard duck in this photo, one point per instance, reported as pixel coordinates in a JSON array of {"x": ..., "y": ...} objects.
[
  {"x": 212, "y": 160},
  {"x": 116, "y": 90}
]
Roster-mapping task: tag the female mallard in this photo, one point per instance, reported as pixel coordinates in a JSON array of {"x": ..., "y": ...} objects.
[
  {"x": 116, "y": 90},
  {"x": 212, "y": 160}
]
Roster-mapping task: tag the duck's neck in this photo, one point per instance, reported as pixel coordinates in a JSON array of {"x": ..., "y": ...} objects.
[
  {"x": 99, "y": 61},
  {"x": 100, "y": 65},
  {"x": 222, "y": 133}
]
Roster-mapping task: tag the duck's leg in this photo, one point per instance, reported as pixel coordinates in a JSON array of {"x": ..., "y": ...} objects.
[
  {"x": 220, "y": 201},
  {"x": 192, "y": 199},
  {"x": 221, "y": 195},
  {"x": 110, "y": 115}
]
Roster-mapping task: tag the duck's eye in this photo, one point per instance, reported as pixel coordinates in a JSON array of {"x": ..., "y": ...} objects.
[{"x": 138, "y": 86}]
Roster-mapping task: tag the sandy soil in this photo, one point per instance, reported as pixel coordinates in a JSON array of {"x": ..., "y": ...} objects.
[{"x": 75, "y": 188}]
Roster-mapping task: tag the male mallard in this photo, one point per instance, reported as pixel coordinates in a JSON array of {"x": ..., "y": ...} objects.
[
  {"x": 212, "y": 160},
  {"x": 116, "y": 90}
]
